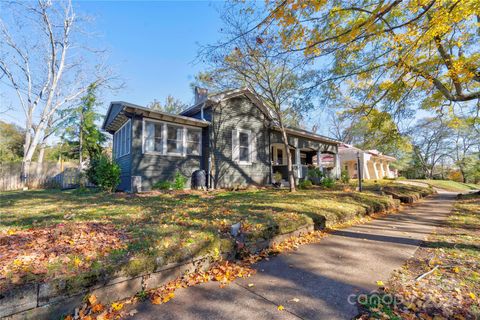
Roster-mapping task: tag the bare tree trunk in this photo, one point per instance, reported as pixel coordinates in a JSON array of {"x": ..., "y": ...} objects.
[
  {"x": 41, "y": 152},
  {"x": 80, "y": 143},
  {"x": 462, "y": 171},
  {"x": 25, "y": 171}
]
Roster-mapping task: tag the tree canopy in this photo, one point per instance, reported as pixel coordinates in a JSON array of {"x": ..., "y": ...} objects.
[
  {"x": 11, "y": 142},
  {"x": 171, "y": 105},
  {"x": 389, "y": 55}
]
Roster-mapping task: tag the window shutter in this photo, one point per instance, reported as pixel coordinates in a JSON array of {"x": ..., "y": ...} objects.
[
  {"x": 253, "y": 147},
  {"x": 235, "y": 149}
]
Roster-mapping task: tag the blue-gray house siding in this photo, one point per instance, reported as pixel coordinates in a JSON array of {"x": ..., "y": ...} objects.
[
  {"x": 221, "y": 124},
  {"x": 152, "y": 168}
]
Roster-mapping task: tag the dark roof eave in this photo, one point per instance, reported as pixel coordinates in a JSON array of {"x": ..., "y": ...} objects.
[
  {"x": 169, "y": 117},
  {"x": 159, "y": 115},
  {"x": 309, "y": 135}
]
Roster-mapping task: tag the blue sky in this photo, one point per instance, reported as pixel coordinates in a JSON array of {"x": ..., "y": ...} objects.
[{"x": 152, "y": 45}]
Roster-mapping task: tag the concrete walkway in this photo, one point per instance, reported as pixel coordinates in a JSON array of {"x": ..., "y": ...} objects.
[{"x": 315, "y": 281}]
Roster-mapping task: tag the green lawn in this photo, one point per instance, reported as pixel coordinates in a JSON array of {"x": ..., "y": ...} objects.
[
  {"x": 82, "y": 235},
  {"x": 405, "y": 192},
  {"x": 449, "y": 185}
]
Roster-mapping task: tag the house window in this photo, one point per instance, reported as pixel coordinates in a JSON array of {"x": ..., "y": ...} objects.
[
  {"x": 168, "y": 139},
  {"x": 244, "y": 146},
  {"x": 279, "y": 156},
  {"x": 153, "y": 137},
  {"x": 193, "y": 141},
  {"x": 303, "y": 158},
  {"x": 122, "y": 140},
  {"x": 174, "y": 139}
]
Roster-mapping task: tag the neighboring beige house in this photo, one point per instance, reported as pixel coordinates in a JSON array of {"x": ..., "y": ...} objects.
[{"x": 374, "y": 164}]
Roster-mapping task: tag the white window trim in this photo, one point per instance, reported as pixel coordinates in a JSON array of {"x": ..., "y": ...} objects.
[
  {"x": 164, "y": 124},
  {"x": 165, "y": 141},
  {"x": 249, "y": 133},
  {"x": 185, "y": 142},
  {"x": 275, "y": 155},
  {"x": 117, "y": 143}
]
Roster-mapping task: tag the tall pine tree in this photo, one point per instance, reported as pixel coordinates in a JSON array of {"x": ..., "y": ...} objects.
[{"x": 80, "y": 130}]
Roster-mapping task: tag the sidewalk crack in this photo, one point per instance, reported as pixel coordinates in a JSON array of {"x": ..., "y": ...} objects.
[{"x": 268, "y": 300}]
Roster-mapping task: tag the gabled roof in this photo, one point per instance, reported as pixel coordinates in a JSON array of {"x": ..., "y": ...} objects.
[
  {"x": 225, "y": 95},
  {"x": 258, "y": 101},
  {"x": 116, "y": 116}
]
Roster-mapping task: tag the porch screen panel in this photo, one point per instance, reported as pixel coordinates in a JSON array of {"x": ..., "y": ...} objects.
[
  {"x": 193, "y": 141},
  {"x": 153, "y": 137},
  {"x": 174, "y": 139}
]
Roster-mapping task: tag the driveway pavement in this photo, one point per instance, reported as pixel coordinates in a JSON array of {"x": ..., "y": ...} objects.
[{"x": 315, "y": 281}]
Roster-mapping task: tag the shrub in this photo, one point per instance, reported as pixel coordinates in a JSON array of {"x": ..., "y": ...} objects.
[
  {"x": 305, "y": 184},
  {"x": 328, "y": 182},
  {"x": 277, "y": 176},
  {"x": 315, "y": 172},
  {"x": 104, "y": 173},
  {"x": 344, "y": 176},
  {"x": 179, "y": 183},
  {"x": 162, "y": 185}
]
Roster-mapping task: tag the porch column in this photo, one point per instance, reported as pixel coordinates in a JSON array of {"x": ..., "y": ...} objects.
[
  {"x": 351, "y": 169},
  {"x": 387, "y": 167},
  {"x": 319, "y": 159},
  {"x": 364, "y": 165},
  {"x": 382, "y": 170},
  {"x": 375, "y": 170},
  {"x": 336, "y": 172},
  {"x": 297, "y": 166}
]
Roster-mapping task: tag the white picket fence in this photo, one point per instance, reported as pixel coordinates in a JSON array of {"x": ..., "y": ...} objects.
[{"x": 41, "y": 175}]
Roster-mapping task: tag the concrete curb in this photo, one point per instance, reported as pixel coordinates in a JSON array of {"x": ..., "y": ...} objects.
[{"x": 53, "y": 300}]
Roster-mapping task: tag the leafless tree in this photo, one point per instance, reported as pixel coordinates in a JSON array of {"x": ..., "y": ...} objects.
[
  {"x": 245, "y": 59},
  {"x": 430, "y": 139},
  {"x": 464, "y": 142},
  {"x": 46, "y": 64},
  {"x": 340, "y": 127}
]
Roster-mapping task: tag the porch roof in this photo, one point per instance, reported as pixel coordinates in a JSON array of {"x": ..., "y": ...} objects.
[{"x": 309, "y": 135}]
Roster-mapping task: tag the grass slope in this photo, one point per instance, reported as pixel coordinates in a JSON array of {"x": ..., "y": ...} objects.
[
  {"x": 83, "y": 235},
  {"x": 406, "y": 193},
  {"x": 449, "y": 185}
]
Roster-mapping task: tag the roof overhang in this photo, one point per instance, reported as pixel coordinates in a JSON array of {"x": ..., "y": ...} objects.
[
  {"x": 372, "y": 153},
  {"x": 128, "y": 109},
  {"x": 309, "y": 135}
]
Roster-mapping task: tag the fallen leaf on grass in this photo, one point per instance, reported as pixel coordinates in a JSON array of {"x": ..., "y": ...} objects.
[
  {"x": 380, "y": 283},
  {"x": 280, "y": 308}
]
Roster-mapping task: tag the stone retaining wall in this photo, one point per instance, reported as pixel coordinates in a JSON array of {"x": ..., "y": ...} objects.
[{"x": 51, "y": 300}]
